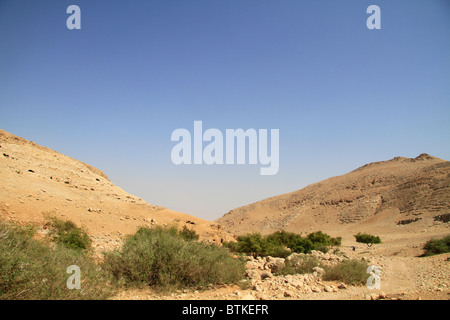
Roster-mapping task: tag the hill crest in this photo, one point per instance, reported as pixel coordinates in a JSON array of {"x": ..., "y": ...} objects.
[{"x": 378, "y": 195}]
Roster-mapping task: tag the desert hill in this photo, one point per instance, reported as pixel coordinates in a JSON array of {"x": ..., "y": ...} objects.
[
  {"x": 37, "y": 181},
  {"x": 399, "y": 195}
]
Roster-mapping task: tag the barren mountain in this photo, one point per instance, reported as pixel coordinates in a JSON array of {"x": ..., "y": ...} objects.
[
  {"x": 399, "y": 195},
  {"x": 37, "y": 181}
]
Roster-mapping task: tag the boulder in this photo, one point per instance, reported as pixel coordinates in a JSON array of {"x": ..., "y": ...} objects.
[
  {"x": 328, "y": 289},
  {"x": 320, "y": 271},
  {"x": 274, "y": 264},
  {"x": 266, "y": 274},
  {"x": 253, "y": 274}
]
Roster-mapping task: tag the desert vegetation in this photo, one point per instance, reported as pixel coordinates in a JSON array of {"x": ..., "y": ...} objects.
[
  {"x": 33, "y": 265},
  {"x": 367, "y": 239},
  {"x": 163, "y": 258},
  {"x": 34, "y": 269},
  {"x": 303, "y": 255},
  {"x": 282, "y": 244},
  {"x": 66, "y": 233},
  {"x": 352, "y": 272},
  {"x": 437, "y": 246},
  {"x": 349, "y": 271},
  {"x": 169, "y": 259}
]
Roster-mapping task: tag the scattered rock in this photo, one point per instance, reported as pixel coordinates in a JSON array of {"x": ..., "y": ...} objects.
[
  {"x": 289, "y": 293},
  {"x": 316, "y": 289},
  {"x": 342, "y": 286},
  {"x": 266, "y": 274},
  {"x": 374, "y": 296},
  {"x": 253, "y": 274},
  {"x": 328, "y": 289},
  {"x": 320, "y": 271},
  {"x": 274, "y": 264}
]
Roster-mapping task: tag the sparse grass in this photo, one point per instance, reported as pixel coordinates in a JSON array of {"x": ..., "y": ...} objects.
[
  {"x": 163, "y": 259},
  {"x": 300, "y": 265},
  {"x": 348, "y": 271},
  {"x": 245, "y": 284},
  {"x": 30, "y": 269},
  {"x": 67, "y": 233}
]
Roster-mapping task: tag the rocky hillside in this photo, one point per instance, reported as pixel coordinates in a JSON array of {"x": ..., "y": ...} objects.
[
  {"x": 408, "y": 193},
  {"x": 37, "y": 181}
]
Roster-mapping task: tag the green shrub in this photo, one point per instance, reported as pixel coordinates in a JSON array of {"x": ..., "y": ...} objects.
[
  {"x": 367, "y": 238},
  {"x": 29, "y": 269},
  {"x": 319, "y": 237},
  {"x": 323, "y": 240},
  {"x": 302, "y": 245},
  {"x": 295, "y": 242},
  {"x": 437, "y": 246},
  {"x": 161, "y": 258},
  {"x": 188, "y": 234},
  {"x": 68, "y": 234},
  {"x": 348, "y": 271},
  {"x": 282, "y": 237},
  {"x": 282, "y": 243},
  {"x": 336, "y": 242},
  {"x": 256, "y": 245},
  {"x": 231, "y": 245}
]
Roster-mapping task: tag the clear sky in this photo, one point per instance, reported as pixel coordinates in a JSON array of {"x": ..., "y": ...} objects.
[{"x": 341, "y": 95}]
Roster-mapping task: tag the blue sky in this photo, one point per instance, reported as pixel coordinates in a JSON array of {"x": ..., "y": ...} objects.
[{"x": 341, "y": 95}]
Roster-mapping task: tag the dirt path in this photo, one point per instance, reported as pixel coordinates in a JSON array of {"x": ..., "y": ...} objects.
[{"x": 396, "y": 275}]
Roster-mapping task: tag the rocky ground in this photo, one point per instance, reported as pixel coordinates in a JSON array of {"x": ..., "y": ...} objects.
[{"x": 402, "y": 278}]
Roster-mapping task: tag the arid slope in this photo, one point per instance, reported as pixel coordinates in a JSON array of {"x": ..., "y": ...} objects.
[
  {"x": 387, "y": 197},
  {"x": 37, "y": 181}
]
